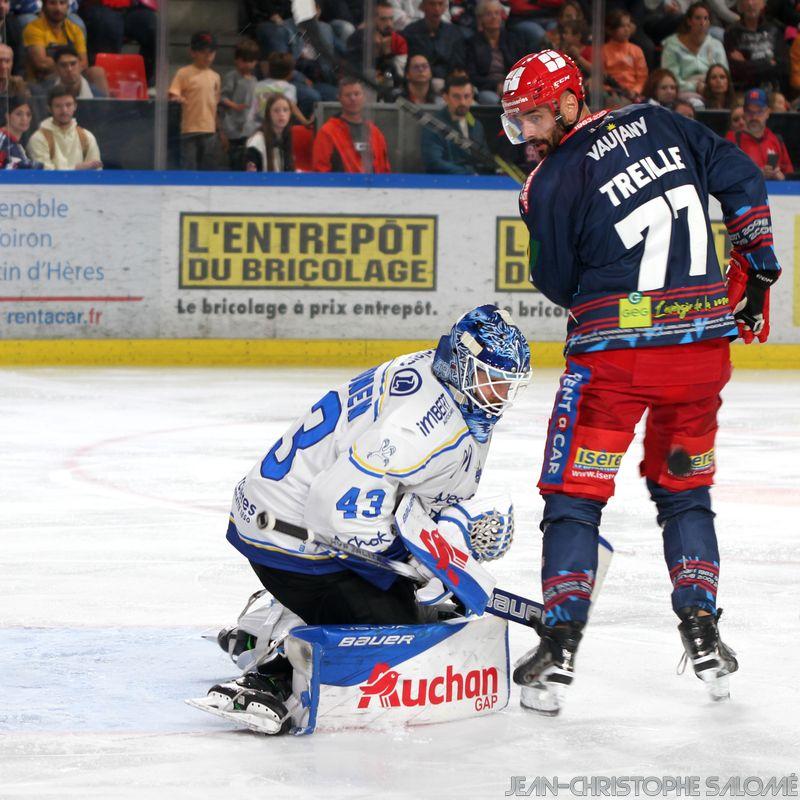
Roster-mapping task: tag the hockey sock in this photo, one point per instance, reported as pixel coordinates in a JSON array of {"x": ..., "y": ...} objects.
[
  {"x": 569, "y": 563},
  {"x": 690, "y": 546}
]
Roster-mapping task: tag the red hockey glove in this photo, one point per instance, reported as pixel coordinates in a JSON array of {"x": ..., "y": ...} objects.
[{"x": 748, "y": 295}]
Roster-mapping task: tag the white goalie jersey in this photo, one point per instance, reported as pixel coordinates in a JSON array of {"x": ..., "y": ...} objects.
[{"x": 342, "y": 468}]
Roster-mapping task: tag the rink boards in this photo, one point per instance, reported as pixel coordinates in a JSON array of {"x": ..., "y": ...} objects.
[{"x": 218, "y": 268}]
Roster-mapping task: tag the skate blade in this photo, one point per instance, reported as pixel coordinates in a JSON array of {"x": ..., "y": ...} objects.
[
  {"x": 244, "y": 719},
  {"x": 718, "y": 688},
  {"x": 542, "y": 698}
]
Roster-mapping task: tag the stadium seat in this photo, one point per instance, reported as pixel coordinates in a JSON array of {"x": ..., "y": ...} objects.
[
  {"x": 125, "y": 73},
  {"x": 302, "y": 142}
]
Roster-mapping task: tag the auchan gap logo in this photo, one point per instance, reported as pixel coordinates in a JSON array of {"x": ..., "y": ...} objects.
[{"x": 386, "y": 686}]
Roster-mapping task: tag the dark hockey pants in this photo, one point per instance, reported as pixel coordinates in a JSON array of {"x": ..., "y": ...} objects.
[{"x": 340, "y": 598}]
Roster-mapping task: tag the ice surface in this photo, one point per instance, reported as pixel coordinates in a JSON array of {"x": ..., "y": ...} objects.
[{"x": 115, "y": 487}]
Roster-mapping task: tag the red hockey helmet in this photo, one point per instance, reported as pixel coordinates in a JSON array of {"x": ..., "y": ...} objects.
[{"x": 537, "y": 80}]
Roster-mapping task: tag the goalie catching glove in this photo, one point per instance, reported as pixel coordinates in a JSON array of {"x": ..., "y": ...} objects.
[
  {"x": 487, "y": 525},
  {"x": 450, "y": 547},
  {"x": 748, "y": 295}
]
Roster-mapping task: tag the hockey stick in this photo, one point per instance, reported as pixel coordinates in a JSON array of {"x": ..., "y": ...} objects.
[
  {"x": 304, "y": 13},
  {"x": 502, "y": 603}
]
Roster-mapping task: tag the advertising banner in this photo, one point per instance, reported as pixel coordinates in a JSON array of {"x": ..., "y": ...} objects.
[{"x": 299, "y": 262}]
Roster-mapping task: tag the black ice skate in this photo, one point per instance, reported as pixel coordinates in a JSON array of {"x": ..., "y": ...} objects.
[
  {"x": 546, "y": 673},
  {"x": 255, "y": 701},
  {"x": 712, "y": 660}
]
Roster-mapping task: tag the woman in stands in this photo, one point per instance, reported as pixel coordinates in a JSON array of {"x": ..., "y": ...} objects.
[
  {"x": 17, "y": 121},
  {"x": 661, "y": 88},
  {"x": 691, "y": 51},
  {"x": 737, "y": 121},
  {"x": 718, "y": 91},
  {"x": 270, "y": 148}
]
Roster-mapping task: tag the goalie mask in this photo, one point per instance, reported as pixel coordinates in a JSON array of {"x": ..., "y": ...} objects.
[{"x": 485, "y": 361}]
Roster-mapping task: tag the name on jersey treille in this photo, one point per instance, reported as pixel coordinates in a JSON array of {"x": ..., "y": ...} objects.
[{"x": 637, "y": 175}]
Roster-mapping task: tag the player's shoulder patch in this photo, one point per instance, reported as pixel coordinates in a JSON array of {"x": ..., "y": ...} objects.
[{"x": 405, "y": 381}]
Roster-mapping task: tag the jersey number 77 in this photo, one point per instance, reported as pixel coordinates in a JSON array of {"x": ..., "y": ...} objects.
[{"x": 657, "y": 217}]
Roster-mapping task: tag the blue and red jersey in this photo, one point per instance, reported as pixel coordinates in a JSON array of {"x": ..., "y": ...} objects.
[{"x": 620, "y": 231}]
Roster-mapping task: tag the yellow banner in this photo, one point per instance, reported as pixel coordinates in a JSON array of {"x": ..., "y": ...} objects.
[
  {"x": 306, "y": 251},
  {"x": 511, "y": 262}
]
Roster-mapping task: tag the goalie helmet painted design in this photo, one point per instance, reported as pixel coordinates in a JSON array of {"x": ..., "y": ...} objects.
[
  {"x": 537, "y": 80},
  {"x": 486, "y": 362}
]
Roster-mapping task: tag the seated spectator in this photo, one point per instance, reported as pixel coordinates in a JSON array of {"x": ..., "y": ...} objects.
[
  {"x": 766, "y": 149},
  {"x": 68, "y": 74},
  {"x": 623, "y": 61},
  {"x": 570, "y": 39},
  {"x": 15, "y": 117},
  {"x": 110, "y": 22},
  {"x": 9, "y": 84},
  {"x": 440, "y": 42},
  {"x": 570, "y": 11},
  {"x": 236, "y": 100},
  {"x": 718, "y": 90},
  {"x": 756, "y": 48},
  {"x": 691, "y": 51},
  {"x": 418, "y": 84},
  {"x": 25, "y": 11},
  {"x": 280, "y": 81},
  {"x": 50, "y": 30},
  {"x": 778, "y": 103},
  {"x": 662, "y": 88},
  {"x": 737, "y": 121},
  {"x": 347, "y": 142},
  {"x": 684, "y": 108},
  {"x": 197, "y": 88},
  {"x": 440, "y": 154},
  {"x": 60, "y": 143},
  {"x": 20, "y": 14},
  {"x": 491, "y": 52},
  {"x": 270, "y": 148},
  {"x": 389, "y": 48}
]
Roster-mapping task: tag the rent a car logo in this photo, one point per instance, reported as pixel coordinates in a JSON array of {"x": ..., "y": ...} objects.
[{"x": 391, "y": 691}]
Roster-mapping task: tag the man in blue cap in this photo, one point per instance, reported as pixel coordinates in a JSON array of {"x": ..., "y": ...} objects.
[{"x": 765, "y": 148}]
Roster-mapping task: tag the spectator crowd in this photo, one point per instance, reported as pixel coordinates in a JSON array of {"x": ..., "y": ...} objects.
[
  {"x": 49, "y": 50},
  {"x": 736, "y": 56}
]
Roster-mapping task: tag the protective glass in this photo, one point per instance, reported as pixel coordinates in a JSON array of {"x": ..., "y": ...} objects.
[{"x": 492, "y": 390}]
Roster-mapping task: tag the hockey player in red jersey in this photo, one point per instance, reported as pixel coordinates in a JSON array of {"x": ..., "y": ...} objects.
[{"x": 617, "y": 212}]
